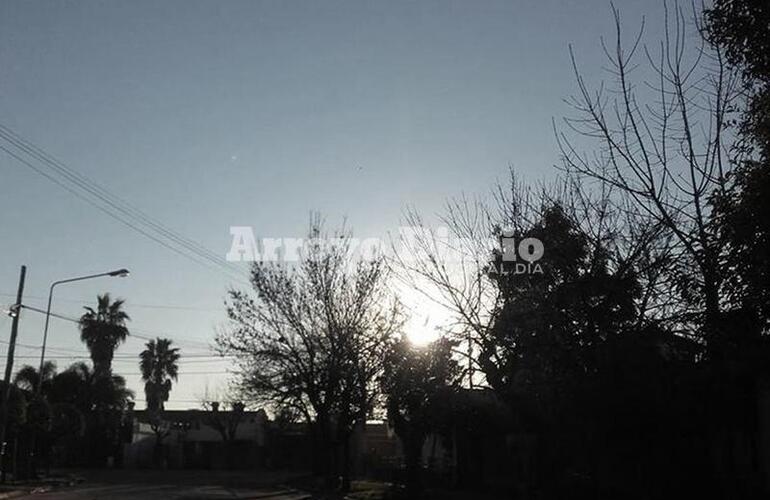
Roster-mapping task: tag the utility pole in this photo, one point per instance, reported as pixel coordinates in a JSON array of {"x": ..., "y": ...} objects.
[{"x": 15, "y": 312}]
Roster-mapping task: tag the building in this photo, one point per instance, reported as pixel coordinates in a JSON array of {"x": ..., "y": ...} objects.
[{"x": 197, "y": 439}]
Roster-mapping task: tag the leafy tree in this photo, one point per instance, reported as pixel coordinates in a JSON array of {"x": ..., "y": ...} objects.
[
  {"x": 16, "y": 406},
  {"x": 549, "y": 343},
  {"x": 37, "y": 409},
  {"x": 417, "y": 383},
  {"x": 82, "y": 385},
  {"x": 547, "y": 324},
  {"x": 102, "y": 330},
  {"x": 742, "y": 29},
  {"x": 16, "y": 423},
  {"x": 546, "y": 350},
  {"x": 75, "y": 404},
  {"x": 99, "y": 402},
  {"x": 705, "y": 187},
  {"x": 740, "y": 215},
  {"x": 312, "y": 336}
]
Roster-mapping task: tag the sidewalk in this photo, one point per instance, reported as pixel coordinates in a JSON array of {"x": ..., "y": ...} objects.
[
  {"x": 12, "y": 492},
  {"x": 14, "y": 489}
]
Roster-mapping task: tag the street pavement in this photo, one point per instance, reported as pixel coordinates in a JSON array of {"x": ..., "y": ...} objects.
[{"x": 179, "y": 485}]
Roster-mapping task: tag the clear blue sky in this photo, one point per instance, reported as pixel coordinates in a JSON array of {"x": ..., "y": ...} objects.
[{"x": 220, "y": 113}]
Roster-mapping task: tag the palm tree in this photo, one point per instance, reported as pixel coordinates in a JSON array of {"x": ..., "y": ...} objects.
[
  {"x": 158, "y": 363},
  {"x": 99, "y": 402},
  {"x": 27, "y": 378},
  {"x": 102, "y": 330},
  {"x": 159, "y": 367}
]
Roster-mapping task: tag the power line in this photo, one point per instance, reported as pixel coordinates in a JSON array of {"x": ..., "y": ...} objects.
[
  {"x": 29, "y": 346},
  {"x": 103, "y": 194},
  {"x": 181, "y": 372},
  {"x": 132, "y": 334},
  {"x": 82, "y": 353},
  {"x": 37, "y": 347},
  {"x": 184, "y": 359},
  {"x": 99, "y": 207},
  {"x": 52, "y": 314},
  {"x": 55, "y": 348},
  {"x": 140, "y": 400},
  {"x": 130, "y": 304},
  {"x": 84, "y": 357},
  {"x": 110, "y": 204}
]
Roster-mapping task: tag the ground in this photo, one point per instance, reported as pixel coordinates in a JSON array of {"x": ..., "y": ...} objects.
[
  {"x": 205, "y": 485},
  {"x": 180, "y": 485}
]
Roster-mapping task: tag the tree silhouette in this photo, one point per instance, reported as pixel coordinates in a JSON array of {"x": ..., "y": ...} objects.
[
  {"x": 101, "y": 401},
  {"x": 546, "y": 323},
  {"x": 312, "y": 336},
  {"x": 651, "y": 150},
  {"x": 226, "y": 423},
  {"x": 158, "y": 363},
  {"x": 76, "y": 407},
  {"x": 28, "y": 378},
  {"x": 102, "y": 330},
  {"x": 418, "y": 383},
  {"x": 742, "y": 29},
  {"x": 159, "y": 366}
]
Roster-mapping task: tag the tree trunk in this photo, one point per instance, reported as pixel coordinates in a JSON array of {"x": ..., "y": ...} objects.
[
  {"x": 712, "y": 312},
  {"x": 325, "y": 453},
  {"x": 157, "y": 452},
  {"x": 345, "y": 466},
  {"x": 413, "y": 457},
  {"x": 332, "y": 471}
]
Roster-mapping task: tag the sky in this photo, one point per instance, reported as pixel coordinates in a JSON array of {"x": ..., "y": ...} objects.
[{"x": 214, "y": 114}]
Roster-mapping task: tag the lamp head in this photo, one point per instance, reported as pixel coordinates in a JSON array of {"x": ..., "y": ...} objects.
[
  {"x": 13, "y": 311},
  {"x": 122, "y": 273}
]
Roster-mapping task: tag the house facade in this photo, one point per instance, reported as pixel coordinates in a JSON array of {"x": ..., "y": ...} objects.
[{"x": 197, "y": 439}]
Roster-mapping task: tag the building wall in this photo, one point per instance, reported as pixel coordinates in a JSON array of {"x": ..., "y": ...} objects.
[{"x": 196, "y": 444}]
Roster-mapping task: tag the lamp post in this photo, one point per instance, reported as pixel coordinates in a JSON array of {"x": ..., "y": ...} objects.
[
  {"x": 38, "y": 390},
  {"x": 122, "y": 273}
]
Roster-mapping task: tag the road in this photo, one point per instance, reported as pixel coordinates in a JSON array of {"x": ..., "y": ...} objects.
[{"x": 178, "y": 485}]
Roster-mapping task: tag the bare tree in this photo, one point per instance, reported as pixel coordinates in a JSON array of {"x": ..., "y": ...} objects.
[
  {"x": 662, "y": 143},
  {"x": 447, "y": 265},
  {"x": 311, "y": 337},
  {"x": 454, "y": 264},
  {"x": 225, "y": 422}
]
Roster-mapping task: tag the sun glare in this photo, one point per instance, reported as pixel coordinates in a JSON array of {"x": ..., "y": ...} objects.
[{"x": 425, "y": 317}]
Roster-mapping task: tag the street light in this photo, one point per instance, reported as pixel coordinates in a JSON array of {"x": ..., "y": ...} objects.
[
  {"x": 120, "y": 273},
  {"x": 13, "y": 311}
]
